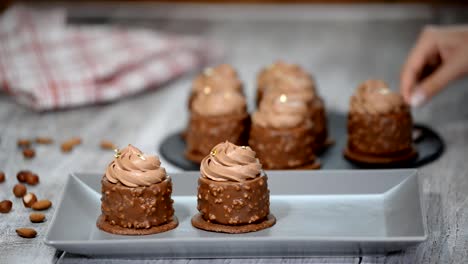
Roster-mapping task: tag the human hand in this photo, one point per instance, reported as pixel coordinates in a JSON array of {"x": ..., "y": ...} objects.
[{"x": 439, "y": 57}]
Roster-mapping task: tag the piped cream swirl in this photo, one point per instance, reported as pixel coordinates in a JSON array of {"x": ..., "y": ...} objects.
[
  {"x": 281, "y": 111},
  {"x": 220, "y": 78},
  {"x": 374, "y": 97},
  {"x": 132, "y": 168},
  {"x": 285, "y": 78},
  {"x": 219, "y": 103},
  {"x": 228, "y": 162}
]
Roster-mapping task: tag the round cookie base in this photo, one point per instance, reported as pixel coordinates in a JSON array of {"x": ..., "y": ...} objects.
[
  {"x": 379, "y": 160},
  {"x": 200, "y": 223},
  {"x": 118, "y": 230}
]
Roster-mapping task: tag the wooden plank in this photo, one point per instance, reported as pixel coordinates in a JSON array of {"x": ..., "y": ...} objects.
[{"x": 339, "y": 54}]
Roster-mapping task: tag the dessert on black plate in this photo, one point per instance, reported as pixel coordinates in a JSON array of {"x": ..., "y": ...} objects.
[
  {"x": 216, "y": 117},
  {"x": 295, "y": 82},
  {"x": 233, "y": 194},
  {"x": 136, "y": 195},
  {"x": 282, "y": 133},
  {"x": 379, "y": 126}
]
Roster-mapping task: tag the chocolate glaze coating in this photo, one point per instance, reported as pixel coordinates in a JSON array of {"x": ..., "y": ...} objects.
[
  {"x": 283, "y": 148},
  {"x": 234, "y": 203},
  {"x": 137, "y": 207},
  {"x": 319, "y": 121},
  {"x": 203, "y": 133},
  {"x": 384, "y": 134}
]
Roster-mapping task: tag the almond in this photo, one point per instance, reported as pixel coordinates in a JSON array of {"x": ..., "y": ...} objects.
[
  {"x": 19, "y": 190},
  {"x": 68, "y": 145},
  {"x": 105, "y": 144},
  {"x": 37, "y": 217},
  {"x": 29, "y": 199},
  {"x": 24, "y": 143},
  {"x": 29, "y": 153},
  {"x": 5, "y": 206},
  {"x": 32, "y": 179},
  {"x": 2, "y": 176},
  {"x": 26, "y": 232},
  {"x": 21, "y": 176},
  {"x": 41, "y": 205},
  {"x": 44, "y": 140}
]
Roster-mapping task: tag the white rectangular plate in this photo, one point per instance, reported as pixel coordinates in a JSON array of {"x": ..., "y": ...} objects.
[{"x": 318, "y": 213}]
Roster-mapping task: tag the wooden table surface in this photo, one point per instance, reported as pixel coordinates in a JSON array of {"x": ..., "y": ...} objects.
[{"x": 341, "y": 51}]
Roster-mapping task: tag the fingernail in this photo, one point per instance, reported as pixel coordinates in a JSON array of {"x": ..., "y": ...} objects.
[{"x": 417, "y": 98}]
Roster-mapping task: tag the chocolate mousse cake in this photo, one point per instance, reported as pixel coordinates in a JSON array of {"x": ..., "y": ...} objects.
[
  {"x": 282, "y": 133},
  {"x": 292, "y": 80},
  {"x": 379, "y": 126},
  {"x": 216, "y": 117},
  {"x": 233, "y": 194},
  {"x": 136, "y": 195},
  {"x": 220, "y": 78}
]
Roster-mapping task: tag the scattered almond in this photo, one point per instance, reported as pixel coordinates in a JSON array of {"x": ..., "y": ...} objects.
[
  {"x": 37, "y": 217},
  {"x": 108, "y": 145},
  {"x": 29, "y": 153},
  {"x": 41, "y": 205},
  {"x": 68, "y": 145},
  {"x": 29, "y": 199},
  {"x": 5, "y": 206},
  {"x": 2, "y": 176},
  {"x": 24, "y": 143},
  {"x": 19, "y": 190},
  {"x": 32, "y": 179},
  {"x": 44, "y": 140},
  {"x": 26, "y": 232},
  {"x": 21, "y": 176}
]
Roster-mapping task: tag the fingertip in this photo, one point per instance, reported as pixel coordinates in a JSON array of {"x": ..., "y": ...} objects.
[
  {"x": 405, "y": 87},
  {"x": 418, "y": 98}
]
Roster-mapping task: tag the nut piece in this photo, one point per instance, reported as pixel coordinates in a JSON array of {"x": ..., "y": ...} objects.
[
  {"x": 32, "y": 179},
  {"x": 44, "y": 140},
  {"x": 2, "y": 176},
  {"x": 19, "y": 190},
  {"x": 5, "y": 206},
  {"x": 26, "y": 232},
  {"x": 24, "y": 143},
  {"x": 68, "y": 145},
  {"x": 41, "y": 205},
  {"x": 21, "y": 176},
  {"x": 29, "y": 153},
  {"x": 37, "y": 217},
  {"x": 29, "y": 199},
  {"x": 106, "y": 144}
]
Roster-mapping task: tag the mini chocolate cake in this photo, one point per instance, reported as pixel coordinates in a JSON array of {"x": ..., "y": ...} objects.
[
  {"x": 379, "y": 126},
  {"x": 282, "y": 134},
  {"x": 315, "y": 112},
  {"x": 233, "y": 195},
  {"x": 292, "y": 80},
  {"x": 216, "y": 117},
  {"x": 136, "y": 195},
  {"x": 220, "y": 78}
]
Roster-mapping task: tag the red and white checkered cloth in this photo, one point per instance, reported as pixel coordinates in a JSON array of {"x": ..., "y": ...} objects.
[{"x": 46, "y": 64}]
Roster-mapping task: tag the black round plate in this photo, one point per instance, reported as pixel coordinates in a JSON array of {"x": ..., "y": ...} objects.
[{"x": 427, "y": 142}]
